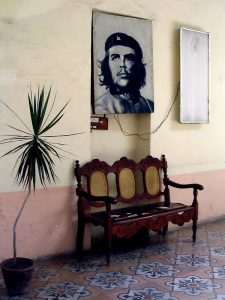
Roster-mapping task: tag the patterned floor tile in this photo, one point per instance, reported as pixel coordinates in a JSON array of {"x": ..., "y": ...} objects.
[
  {"x": 192, "y": 260},
  {"x": 218, "y": 297},
  {"x": 73, "y": 265},
  {"x": 217, "y": 272},
  {"x": 216, "y": 251},
  {"x": 155, "y": 268},
  {"x": 14, "y": 298},
  {"x": 193, "y": 285},
  {"x": 127, "y": 257},
  {"x": 160, "y": 249},
  {"x": 111, "y": 280},
  {"x": 146, "y": 294},
  {"x": 218, "y": 235},
  {"x": 44, "y": 274},
  {"x": 62, "y": 291}
]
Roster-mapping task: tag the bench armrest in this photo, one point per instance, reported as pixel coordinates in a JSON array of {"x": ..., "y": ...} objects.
[
  {"x": 87, "y": 196},
  {"x": 183, "y": 186}
]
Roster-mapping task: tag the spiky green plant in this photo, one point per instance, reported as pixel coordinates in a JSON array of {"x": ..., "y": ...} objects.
[{"x": 35, "y": 152}]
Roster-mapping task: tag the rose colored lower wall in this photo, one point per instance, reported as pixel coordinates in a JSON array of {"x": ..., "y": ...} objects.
[
  {"x": 211, "y": 199},
  {"x": 49, "y": 223}
]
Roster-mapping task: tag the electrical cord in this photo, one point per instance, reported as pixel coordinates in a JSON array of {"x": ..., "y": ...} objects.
[
  {"x": 116, "y": 117},
  {"x": 139, "y": 135}
]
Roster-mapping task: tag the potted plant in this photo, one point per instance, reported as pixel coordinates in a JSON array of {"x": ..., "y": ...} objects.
[{"x": 36, "y": 154}]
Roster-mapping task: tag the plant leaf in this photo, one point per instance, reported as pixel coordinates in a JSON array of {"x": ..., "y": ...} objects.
[{"x": 35, "y": 154}]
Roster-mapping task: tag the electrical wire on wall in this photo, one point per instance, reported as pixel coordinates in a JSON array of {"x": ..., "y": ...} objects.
[{"x": 140, "y": 135}]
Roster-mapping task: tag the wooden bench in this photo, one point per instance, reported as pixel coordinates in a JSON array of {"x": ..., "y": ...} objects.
[{"x": 144, "y": 184}]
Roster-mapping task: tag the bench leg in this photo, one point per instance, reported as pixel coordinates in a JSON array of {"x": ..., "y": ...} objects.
[
  {"x": 108, "y": 257},
  {"x": 108, "y": 239},
  {"x": 165, "y": 229},
  {"x": 194, "y": 228},
  {"x": 80, "y": 238}
]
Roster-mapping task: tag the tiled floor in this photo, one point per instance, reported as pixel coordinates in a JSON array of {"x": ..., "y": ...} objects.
[{"x": 157, "y": 268}]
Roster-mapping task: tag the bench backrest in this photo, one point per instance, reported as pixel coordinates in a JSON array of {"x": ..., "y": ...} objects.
[{"x": 94, "y": 177}]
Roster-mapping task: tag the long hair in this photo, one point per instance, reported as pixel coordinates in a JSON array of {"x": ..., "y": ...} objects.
[{"x": 137, "y": 81}]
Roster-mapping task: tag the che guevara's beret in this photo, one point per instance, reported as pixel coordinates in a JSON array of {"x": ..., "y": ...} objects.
[{"x": 120, "y": 38}]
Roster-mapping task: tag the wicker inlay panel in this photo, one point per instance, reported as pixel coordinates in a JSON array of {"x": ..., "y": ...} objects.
[
  {"x": 127, "y": 183},
  {"x": 152, "y": 180},
  {"x": 98, "y": 184}
]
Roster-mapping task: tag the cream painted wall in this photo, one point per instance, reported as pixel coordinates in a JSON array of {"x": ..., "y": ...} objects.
[
  {"x": 41, "y": 46},
  {"x": 49, "y": 42}
]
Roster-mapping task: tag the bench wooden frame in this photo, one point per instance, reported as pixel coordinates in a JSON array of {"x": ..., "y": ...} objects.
[{"x": 127, "y": 221}]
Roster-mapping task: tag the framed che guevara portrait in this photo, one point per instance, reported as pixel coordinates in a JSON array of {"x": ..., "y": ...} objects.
[{"x": 122, "y": 68}]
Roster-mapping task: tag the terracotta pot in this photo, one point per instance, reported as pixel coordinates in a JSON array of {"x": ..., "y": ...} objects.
[{"x": 17, "y": 277}]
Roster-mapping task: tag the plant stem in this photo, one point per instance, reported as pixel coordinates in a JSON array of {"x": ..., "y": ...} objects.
[{"x": 16, "y": 221}]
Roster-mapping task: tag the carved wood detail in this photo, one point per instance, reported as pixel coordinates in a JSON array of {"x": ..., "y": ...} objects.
[{"x": 154, "y": 224}]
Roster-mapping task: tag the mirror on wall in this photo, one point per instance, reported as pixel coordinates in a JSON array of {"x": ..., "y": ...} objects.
[{"x": 194, "y": 73}]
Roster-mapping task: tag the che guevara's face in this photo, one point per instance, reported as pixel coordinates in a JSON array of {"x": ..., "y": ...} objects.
[{"x": 121, "y": 65}]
